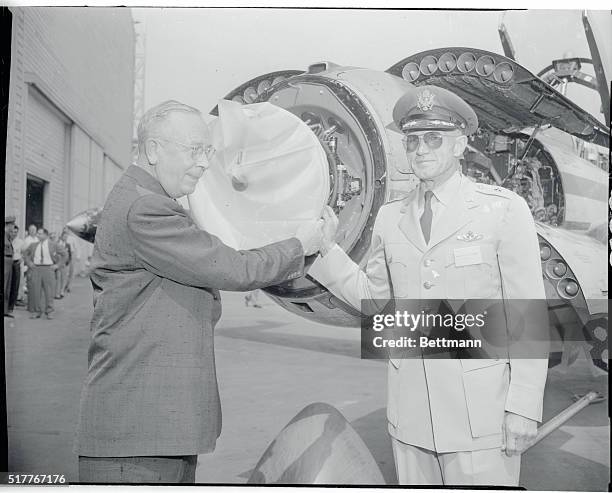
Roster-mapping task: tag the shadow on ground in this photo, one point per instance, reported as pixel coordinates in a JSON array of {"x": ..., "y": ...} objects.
[{"x": 372, "y": 428}]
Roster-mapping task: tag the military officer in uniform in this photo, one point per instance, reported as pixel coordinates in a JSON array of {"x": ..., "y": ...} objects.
[{"x": 452, "y": 421}]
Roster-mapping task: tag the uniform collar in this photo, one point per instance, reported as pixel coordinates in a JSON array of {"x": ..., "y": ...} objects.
[
  {"x": 145, "y": 179},
  {"x": 445, "y": 191}
]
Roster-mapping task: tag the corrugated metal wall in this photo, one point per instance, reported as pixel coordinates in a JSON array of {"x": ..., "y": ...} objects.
[
  {"x": 79, "y": 156},
  {"x": 74, "y": 66},
  {"x": 96, "y": 175},
  {"x": 112, "y": 173},
  {"x": 46, "y": 155},
  {"x": 93, "y": 172}
]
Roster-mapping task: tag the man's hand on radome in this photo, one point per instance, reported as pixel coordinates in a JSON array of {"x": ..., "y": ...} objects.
[
  {"x": 310, "y": 235},
  {"x": 330, "y": 227}
]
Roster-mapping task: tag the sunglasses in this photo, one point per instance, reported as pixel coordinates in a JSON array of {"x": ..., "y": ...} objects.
[{"x": 433, "y": 140}]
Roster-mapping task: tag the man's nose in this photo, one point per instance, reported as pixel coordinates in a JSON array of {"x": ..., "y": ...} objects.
[
  {"x": 202, "y": 162},
  {"x": 422, "y": 148}
]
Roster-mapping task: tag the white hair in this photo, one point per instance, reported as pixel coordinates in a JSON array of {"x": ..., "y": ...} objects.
[{"x": 156, "y": 116}]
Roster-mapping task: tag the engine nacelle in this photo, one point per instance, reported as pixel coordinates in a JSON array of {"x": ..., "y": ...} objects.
[{"x": 350, "y": 111}]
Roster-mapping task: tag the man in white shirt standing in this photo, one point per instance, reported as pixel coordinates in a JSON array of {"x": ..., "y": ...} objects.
[
  {"x": 27, "y": 241},
  {"x": 43, "y": 258},
  {"x": 17, "y": 261},
  {"x": 74, "y": 255}
]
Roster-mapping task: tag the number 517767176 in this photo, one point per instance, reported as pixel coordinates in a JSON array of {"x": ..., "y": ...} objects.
[{"x": 15, "y": 478}]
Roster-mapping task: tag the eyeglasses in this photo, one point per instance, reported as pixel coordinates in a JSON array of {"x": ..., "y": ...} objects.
[
  {"x": 197, "y": 151},
  {"x": 433, "y": 140}
]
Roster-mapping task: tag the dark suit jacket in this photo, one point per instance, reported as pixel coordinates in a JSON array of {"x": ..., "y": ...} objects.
[
  {"x": 151, "y": 388},
  {"x": 58, "y": 253}
]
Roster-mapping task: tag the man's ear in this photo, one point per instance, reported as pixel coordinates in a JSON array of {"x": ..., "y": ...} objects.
[
  {"x": 460, "y": 145},
  {"x": 151, "y": 151}
]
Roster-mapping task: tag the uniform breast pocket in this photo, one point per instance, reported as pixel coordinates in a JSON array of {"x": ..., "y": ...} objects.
[
  {"x": 485, "y": 384},
  {"x": 473, "y": 272}
]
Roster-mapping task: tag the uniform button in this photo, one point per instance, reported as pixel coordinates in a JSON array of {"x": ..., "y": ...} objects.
[
  {"x": 428, "y": 262},
  {"x": 428, "y": 284}
]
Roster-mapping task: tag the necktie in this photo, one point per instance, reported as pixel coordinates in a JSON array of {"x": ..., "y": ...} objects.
[
  {"x": 427, "y": 216},
  {"x": 41, "y": 256}
]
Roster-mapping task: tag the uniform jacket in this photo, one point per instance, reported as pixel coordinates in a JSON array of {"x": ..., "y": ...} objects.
[
  {"x": 8, "y": 247},
  {"x": 450, "y": 404},
  {"x": 58, "y": 254},
  {"x": 151, "y": 388}
]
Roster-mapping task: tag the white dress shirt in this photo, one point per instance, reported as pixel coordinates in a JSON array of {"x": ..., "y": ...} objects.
[
  {"x": 442, "y": 195},
  {"x": 27, "y": 241},
  {"x": 42, "y": 255},
  {"x": 17, "y": 248}
]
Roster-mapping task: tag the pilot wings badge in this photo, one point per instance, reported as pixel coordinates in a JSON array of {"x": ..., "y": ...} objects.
[
  {"x": 469, "y": 236},
  {"x": 425, "y": 100}
]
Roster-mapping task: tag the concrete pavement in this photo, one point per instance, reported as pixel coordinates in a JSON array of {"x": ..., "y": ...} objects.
[{"x": 271, "y": 364}]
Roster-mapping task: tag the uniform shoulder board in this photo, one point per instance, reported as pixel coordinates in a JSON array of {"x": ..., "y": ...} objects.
[
  {"x": 394, "y": 200},
  {"x": 494, "y": 190}
]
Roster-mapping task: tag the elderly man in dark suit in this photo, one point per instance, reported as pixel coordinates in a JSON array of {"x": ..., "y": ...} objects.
[
  {"x": 150, "y": 401},
  {"x": 43, "y": 258}
]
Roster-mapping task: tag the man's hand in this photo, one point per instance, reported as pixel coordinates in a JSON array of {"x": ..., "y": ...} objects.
[
  {"x": 517, "y": 433},
  {"x": 310, "y": 235},
  {"x": 330, "y": 226}
]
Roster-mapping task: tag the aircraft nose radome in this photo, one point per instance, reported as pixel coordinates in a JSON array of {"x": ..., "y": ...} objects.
[
  {"x": 77, "y": 223},
  {"x": 85, "y": 224},
  {"x": 318, "y": 446}
]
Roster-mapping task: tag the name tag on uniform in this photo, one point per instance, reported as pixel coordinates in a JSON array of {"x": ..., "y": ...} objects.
[{"x": 468, "y": 256}]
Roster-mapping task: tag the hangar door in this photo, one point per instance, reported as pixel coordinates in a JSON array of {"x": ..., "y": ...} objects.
[{"x": 46, "y": 155}]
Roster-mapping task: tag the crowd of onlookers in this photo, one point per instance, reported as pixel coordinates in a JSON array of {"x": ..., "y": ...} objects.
[{"x": 38, "y": 268}]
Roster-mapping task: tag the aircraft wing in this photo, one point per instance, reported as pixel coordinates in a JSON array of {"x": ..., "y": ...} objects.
[
  {"x": 505, "y": 95},
  {"x": 597, "y": 28}
]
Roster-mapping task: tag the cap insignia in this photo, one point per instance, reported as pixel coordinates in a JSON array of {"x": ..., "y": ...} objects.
[{"x": 425, "y": 100}]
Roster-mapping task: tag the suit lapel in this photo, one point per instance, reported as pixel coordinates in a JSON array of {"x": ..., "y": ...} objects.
[
  {"x": 52, "y": 251},
  {"x": 31, "y": 252},
  {"x": 456, "y": 214},
  {"x": 409, "y": 223}
]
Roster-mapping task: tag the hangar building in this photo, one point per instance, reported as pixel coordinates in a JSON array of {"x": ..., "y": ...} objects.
[{"x": 70, "y": 110}]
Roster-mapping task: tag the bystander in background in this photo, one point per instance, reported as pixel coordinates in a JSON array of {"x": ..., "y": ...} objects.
[
  {"x": 43, "y": 259},
  {"x": 73, "y": 257},
  {"x": 27, "y": 241},
  {"x": 61, "y": 273},
  {"x": 16, "y": 268},
  {"x": 9, "y": 224}
]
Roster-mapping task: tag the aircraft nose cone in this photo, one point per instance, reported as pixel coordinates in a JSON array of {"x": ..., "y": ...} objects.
[
  {"x": 77, "y": 223},
  {"x": 85, "y": 224}
]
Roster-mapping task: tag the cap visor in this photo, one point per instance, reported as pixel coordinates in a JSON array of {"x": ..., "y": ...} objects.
[{"x": 417, "y": 125}]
